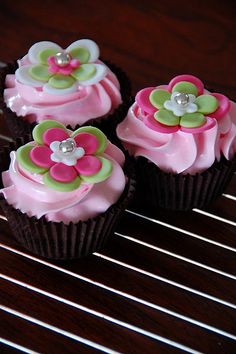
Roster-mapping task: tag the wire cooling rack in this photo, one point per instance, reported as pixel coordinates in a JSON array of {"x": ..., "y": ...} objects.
[{"x": 162, "y": 284}]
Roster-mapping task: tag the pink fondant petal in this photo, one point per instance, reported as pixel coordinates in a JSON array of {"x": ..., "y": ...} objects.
[
  {"x": 75, "y": 63},
  {"x": 40, "y": 155},
  {"x": 63, "y": 173},
  {"x": 52, "y": 68},
  {"x": 224, "y": 106},
  {"x": 153, "y": 124},
  {"x": 88, "y": 165},
  {"x": 210, "y": 123},
  {"x": 87, "y": 141},
  {"x": 142, "y": 99},
  {"x": 54, "y": 134},
  {"x": 51, "y": 60},
  {"x": 66, "y": 70},
  {"x": 190, "y": 78}
]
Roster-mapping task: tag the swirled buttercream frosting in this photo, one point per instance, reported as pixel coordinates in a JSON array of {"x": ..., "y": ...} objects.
[
  {"x": 181, "y": 127},
  {"x": 70, "y": 85},
  {"x": 63, "y": 175}
]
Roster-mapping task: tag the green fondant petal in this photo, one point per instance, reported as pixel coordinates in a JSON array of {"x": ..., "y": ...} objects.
[
  {"x": 45, "y": 54},
  {"x": 59, "y": 81},
  {"x": 40, "y": 129},
  {"x": 59, "y": 186},
  {"x": 84, "y": 72},
  {"x": 102, "y": 174},
  {"x": 97, "y": 133},
  {"x": 40, "y": 72},
  {"x": 206, "y": 104},
  {"x": 192, "y": 120},
  {"x": 166, "y": 117},
  {"x": 82, "y": 54},
  {"x": 185, "y": 87},
  {"x": 158, "y": 97},
  {"x": 23, "y": 157}
]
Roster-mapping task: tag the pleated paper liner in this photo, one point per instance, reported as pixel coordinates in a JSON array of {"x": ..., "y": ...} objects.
[
  {"x": 19, "y": 126},
  {"x": 56, "y": 240},
  {"x": 156, "y": 188}
]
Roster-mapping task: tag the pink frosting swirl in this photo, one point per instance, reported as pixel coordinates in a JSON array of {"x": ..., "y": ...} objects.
[
  {"x": 179, "y": 152},
  {"x": 26, "y": 191},
  {"x": 75, "y": 108}
]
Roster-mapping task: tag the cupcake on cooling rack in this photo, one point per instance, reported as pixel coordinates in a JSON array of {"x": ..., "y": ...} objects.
[
  {"x": 63, "y": 192},
  {"x": 184, "y": 139},
  {"x": 70, "y": 85}
]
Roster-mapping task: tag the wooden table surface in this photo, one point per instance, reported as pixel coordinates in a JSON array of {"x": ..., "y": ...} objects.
[{"x": 165, "y": 282}]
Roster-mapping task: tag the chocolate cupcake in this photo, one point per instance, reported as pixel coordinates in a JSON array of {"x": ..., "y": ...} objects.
[
  {"x": 184, "y": 140},
  {"x": 71, "y": 86},
  {"x": 63, "y": 193}
]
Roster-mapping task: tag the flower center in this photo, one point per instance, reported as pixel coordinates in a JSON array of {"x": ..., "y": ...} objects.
[
  {"x": 182, "y": 99},
  {"x": 62, "y": 59},
  {"x": 67, "y": 146}
]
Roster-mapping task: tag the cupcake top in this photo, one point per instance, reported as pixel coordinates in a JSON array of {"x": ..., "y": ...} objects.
[
  {"x": 181, "y": 127},
  {"x": 66, "y": 176},
  {"x": 71, "y": 84}
]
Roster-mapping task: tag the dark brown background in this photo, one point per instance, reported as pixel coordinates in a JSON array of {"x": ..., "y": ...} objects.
[{"x": 152, "y": 41}]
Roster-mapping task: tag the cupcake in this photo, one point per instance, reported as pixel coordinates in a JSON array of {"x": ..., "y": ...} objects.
[
  {"x": 63, "y": 192},
  {"x": 184, "y": 140},
  {"x": 71, "y": 86}
]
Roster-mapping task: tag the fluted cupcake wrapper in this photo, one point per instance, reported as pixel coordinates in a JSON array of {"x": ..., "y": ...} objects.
[
  {"x": 60, "y": 241},
  {"x": 181, "y": 192},
  {"x": 19, "y": 126},
  {"x": 56, "y": 240}
]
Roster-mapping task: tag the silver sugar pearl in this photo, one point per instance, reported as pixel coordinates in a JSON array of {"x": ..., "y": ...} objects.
[
  {"x": 182, "y": 98},
  {"x": 62, "y": 59},
  {"x": 67, "y": 146}
]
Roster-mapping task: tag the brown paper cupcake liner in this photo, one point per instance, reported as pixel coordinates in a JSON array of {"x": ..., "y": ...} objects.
[
  {"x": 19, "y": 126},
  {"x": 156, "y": 188},
  {"x": 57, "y": 240}
]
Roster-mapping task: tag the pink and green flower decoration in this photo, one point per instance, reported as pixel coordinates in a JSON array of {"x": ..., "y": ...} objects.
[
  {"x": 182, "y": 105},
  {"x": 60, "y": 71},
  {"x": 66, "y": 159}
]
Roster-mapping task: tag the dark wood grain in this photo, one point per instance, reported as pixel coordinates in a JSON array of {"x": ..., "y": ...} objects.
[
  {"x": 35, "y": 337},
  {"x": 164, "y": 37},
  {"x": 196, "y": 223},
  {"x": 161, "y": 265},
  {"x": 154, "y": 292},
  {"x": 6, "y": 349},
  {"x": 168, "y": 267},
  {"x": 177, "y": 243},
  {"x": 152, "y": 41},
  {"x": 218, "y": 315},
  {"x": 224, "y": 209},
  {"x": 76, "y": 321}
]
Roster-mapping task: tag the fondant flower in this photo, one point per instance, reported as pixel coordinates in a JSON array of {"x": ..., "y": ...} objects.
[
  {"x": 181, "y": 105},
  {"x": 59, "y": 71},
  {"x": 65, "y": 159}
]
